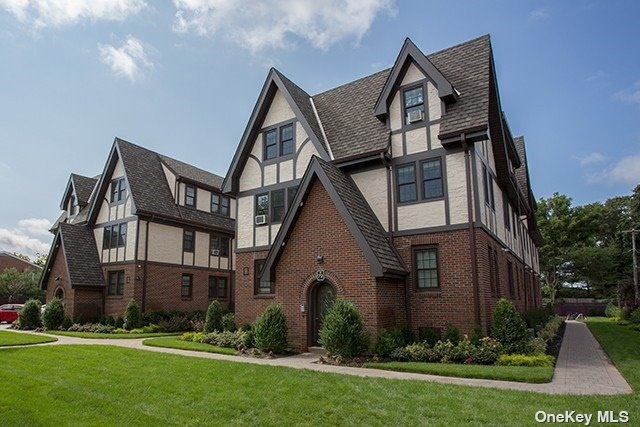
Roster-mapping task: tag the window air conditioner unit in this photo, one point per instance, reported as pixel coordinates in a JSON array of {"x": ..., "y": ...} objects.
[
  {"x": 414, "y": 116},
  {"x": 261, "y": 219},
  {"x": 215, "y": 252}
]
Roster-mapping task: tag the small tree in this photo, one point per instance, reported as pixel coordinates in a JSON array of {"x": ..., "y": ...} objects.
[
  {"x": 270, "y": 330},
  {"x": 509, "y": 327},
  {"x": 342, "y": 333},
  {"x": 132, "y": 315},
  {"x": 213, "y": 321},
  {"x": 53, "y": 315},
  {"x": 30, "y": 315}
]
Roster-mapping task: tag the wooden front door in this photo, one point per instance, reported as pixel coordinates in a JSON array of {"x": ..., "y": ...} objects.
[{"x": 322, "y": 296}]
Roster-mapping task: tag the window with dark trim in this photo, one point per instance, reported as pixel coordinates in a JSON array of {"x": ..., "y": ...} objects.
[
  {"x": 432, "y": 179},
  {"x": 286, "y": 140},
  {"x": 426, "y": 268},
  {"x": 218, "y": 287},
  {"x": 114, "y": 236},
  {"x": 188, "y": 240},
  {"x": 505, "y": 209},
  {"x": 72, "y": 205},
  {"x": 413, "y": 104},
  {"x": 219, "y": 245},
  {"x": 186, "y": 285},
  {"x": 116, "y": 283},
  {"x": 406, "y": 183},
  {"x": 291, "y": 194},
  {"x": 493, "y": 282},
  {"x": 279, "y": 141},
  {"x": 219, "y": 204},
  {"x": 487, "y": 181},
  {"x": 274, "y": 205},
  {"x": 512, "y": 289},
  {"x": 118, "y": 190},
  {"x": 190, "y": 195},
  {"x": 262, "y": 205},
  {"x": 277, "y": 205},
  {"x": 261, "y": 287}
]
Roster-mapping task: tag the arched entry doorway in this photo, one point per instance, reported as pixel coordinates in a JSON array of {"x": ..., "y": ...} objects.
[
  {"x": 59, "y": 294},
  {"x": 321, "y": 296}
]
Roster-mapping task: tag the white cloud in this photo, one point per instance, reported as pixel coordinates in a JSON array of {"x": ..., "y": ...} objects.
[
  {"x": 629, "y": 96},
  {"x": 624, "y": 171},
  {"x": 59, "y": 13},
  {"x": 595, "y": 76},
  {"x": 538, "y": 14},
  {"x": 589, "y": 159},
  {"x": 129, "y": 60},
  {"x": 24, "y": 238},
  {"x": 273, "y": 24}
]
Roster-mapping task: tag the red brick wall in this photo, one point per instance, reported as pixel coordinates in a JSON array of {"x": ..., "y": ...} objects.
[
  {"x": 319, "y": 230},
  {"x": 7, "y": 261},
  {"x": 59, "y": 270},
  {"x": 87, "y": 304}
]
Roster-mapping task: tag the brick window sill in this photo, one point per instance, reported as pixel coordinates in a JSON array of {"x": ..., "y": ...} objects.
[
  {"x": 186, "y": 298},
  {"x": 115, "y": 296},
  {"x": 428, "y": 293},
  {"x": 264, "y": 296}
]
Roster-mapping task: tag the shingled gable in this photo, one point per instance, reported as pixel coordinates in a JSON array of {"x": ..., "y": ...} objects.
[
  {"x": 409, "y": 53},
  {"x": 356, "y": 213},
  {"x": 303, "y": 108},
  {"x": 149, "y": 189},
  {"x": 80, "y": 254},
  {"x": 82, "y": 186}
]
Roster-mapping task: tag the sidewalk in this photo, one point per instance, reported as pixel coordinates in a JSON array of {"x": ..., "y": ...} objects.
[{"x": 582, "y": 367}]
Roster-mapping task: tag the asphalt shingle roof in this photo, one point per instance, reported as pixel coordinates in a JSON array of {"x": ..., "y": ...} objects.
[
  {"x": 521, "y": 173},
  {"x": 84, "y": 187},
  {"x": 150, "y": 190},
  {"x": 81, "y": 254}
]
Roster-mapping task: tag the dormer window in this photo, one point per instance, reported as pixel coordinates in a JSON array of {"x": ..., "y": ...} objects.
[
  {"x": 72, "y": 206},
  {"x": 190, "y": 196},
  {"x": 279, "y": 141},
  {"x": 118, "y": 190},
  {"x": 219, "y": 204},
  {"x": 414, "y": 105}
]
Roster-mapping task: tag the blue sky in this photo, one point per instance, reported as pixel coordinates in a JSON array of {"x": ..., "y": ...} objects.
[{"x": 181, "y": 78}]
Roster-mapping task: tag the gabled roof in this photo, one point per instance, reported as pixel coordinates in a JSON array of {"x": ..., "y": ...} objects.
[
  {"x": 408, "y": 53},
  {"x": 25, "y": 262},
  {"x": 150, "y": 190},
  {"x": 356, "y": 213},
  {"x": 82, "y": 186},
  {"x": 300, "y": 103},
  {"x": 80, "y": 254},
  {"x": 522, "y": 173}
]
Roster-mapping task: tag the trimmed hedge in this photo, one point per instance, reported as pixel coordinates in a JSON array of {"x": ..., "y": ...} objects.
[
  {"x": 525, "y": 360},
  {"x": 30, "y": 315},
  {"x": 132, "y": 315},
  {"x": 213, "y": 321},
  {"x": 270, "y": 330},
  {"x": 509, "y": 328},
  {"x": 53, "y": 315},
  {"x": 342, "y": 333}
]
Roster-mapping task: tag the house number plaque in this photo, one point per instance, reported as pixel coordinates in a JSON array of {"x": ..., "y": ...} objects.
[{"x": 320, "y": 276}]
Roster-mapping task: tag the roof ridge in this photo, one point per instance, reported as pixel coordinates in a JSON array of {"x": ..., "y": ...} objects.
[
  {"x": 487, "y": 36},
  {"x": 351, "y": 82}
]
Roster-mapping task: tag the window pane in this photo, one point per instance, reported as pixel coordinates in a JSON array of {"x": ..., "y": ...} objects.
[
  {"x": 262, "y": 287},
  {"x": 270, "y": 148},
  {"x": 122, "y": 189},
  {"x": 114, "y": 191},
  {"x": 120, "y": 290},
  {"x": 122, "y": 237},
  {"x": 106, "y": 238},
  {"x": 431, "y": 169},
  {"x": 114, "y": 236},
  {"x": 291, "y": 194},
  {"x": 185, "y": 290},
  {"x": 188, "y": 241},
  {"x": 277, "y": 205},
  {"x": 212, "y": 287},
  {"x": 224, "y": 246},
  {"x": 413, "y": 97},
  {"x": 113, "y": 279},
  {"x": 407, "y": 193},
  {"x": 262, "y": 203},
  {"x": 406, "y": 174},
  {"x": 286, "y": 140},
  {"x": 433, "y": 188},
  {"x": 224, "y": 207},
  {"x": 190, "y": 196},
  {"x": 222, "y": 287}
]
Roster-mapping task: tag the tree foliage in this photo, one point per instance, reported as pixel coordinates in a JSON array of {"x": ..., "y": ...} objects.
[{"x": 16, "y": 284}]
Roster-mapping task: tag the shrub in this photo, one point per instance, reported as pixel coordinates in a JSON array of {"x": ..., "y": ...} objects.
[
  {"x": 229, "y": 322},
  {"x": 149, "y": 329},
  {"x": 406, "y": 332},
  {"x": 476, "y": 335},
  {"x": 536, "y": 345},
  {"x": 508, "y": 327},
  {"x": 132, "y": 315},
  {"x": 429, "y": 335},
  {"x": 91, "y": 327},
  {"x": 536, "y": 318},
  {"x": 443, "y": 351},
  {"x": 525, "y": 360},
  {"x": 238, "y": 339},
  {"x": 120, "y": 331},
  {"x": 30, "y": 315},
  {"x": 635, "y": 315},
  {"x": 550, "y": 330},
  {"x": 119, "y": 323},
  {"x": 176, "y": 323},
  {"x": 389, "y": 341},
  {"x": 66, "y": 323},
  {"x": 109, "y": 320},
  {"x": 53, "y": 315},
  {"x": 488, "y": 351},
  {"x": 464, "y": 352},
  {"x": 197, "y": 325},
  {"x": 452, "y": 334},
  {"x": 417, "y": 352},
  {"x": 342, "y": 333},
  {"x": 613, "y": 311},
  {"x": 400, "y": 354},
  {"x": 626, "y": 314},
  {"x": 213, "y": 322},
  {"x": 270, "y": 330}
]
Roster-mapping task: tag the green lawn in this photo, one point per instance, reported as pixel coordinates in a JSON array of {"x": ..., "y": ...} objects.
[
  {"x": 16, "y": 338},
  {"x": 491, "y": 372},
  {"x": 171, "y": 342},
  {"x": 111, "y": 336},
  {"x": 102, "y": 385}
]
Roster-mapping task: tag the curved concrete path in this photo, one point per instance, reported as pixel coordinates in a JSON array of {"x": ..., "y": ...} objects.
[{"x": 582, "y": 367}]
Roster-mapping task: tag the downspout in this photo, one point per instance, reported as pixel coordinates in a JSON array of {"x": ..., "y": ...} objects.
[
  {"x": 146, "y": 257},
  {"x": 472, "y": 235}
]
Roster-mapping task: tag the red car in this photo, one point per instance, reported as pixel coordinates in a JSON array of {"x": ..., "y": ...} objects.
[{"x": 9, "y": 312}]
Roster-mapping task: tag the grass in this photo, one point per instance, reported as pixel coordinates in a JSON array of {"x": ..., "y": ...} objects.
[
  {"x": 98, "y": 335},
  {"x": 16, "y": 338},
  {"x": 106, "y": 385},
  {"x": 170, "y": 342},
  {"x": 491, "y": 372}
]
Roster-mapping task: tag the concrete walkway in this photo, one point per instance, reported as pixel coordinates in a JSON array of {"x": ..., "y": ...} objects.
[{"x": 582, "y": 368}]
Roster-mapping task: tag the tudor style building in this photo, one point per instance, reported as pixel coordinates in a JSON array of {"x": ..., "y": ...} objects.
[
  {"x": 149, "y": 227},
  {"x": 403, "y": 191}
]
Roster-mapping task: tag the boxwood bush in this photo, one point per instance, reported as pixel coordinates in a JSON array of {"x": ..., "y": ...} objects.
[
  {"x": 53, "y": 315},
  {"x": 213, "y": 321},
  {"x": 132, "y": 315},
  {"x": 509, "y": 327},
  {"x": 342, "y": 333},
  {"x": 30, "y": 315},
  {"x": 270, "y": 330}
]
